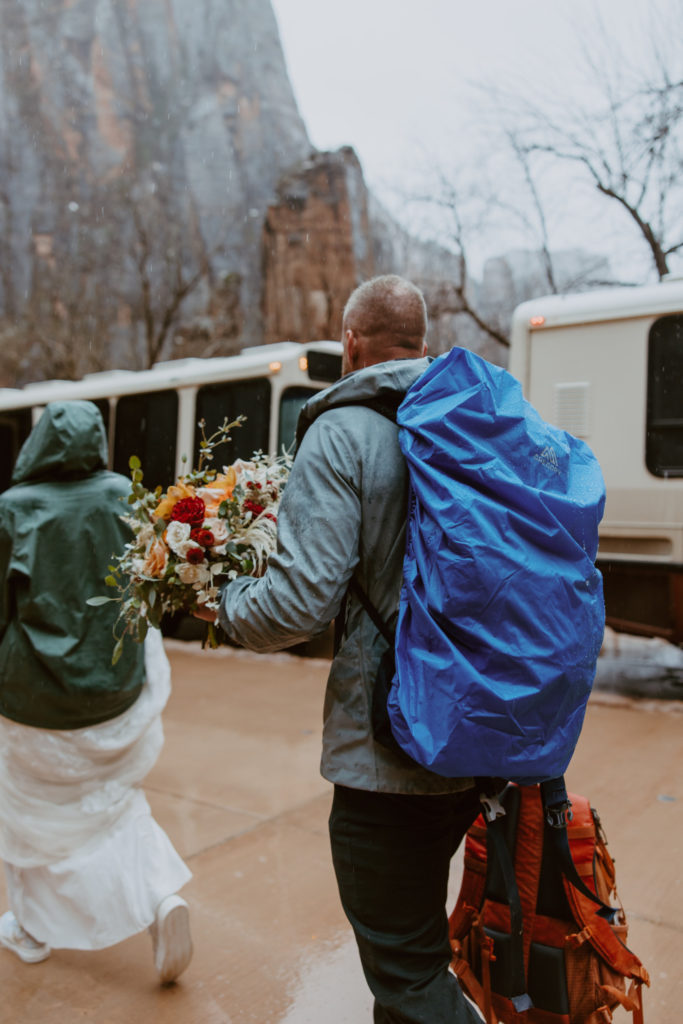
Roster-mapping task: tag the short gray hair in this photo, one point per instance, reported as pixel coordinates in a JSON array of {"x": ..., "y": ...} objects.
[{"x": 389, "y": 305}]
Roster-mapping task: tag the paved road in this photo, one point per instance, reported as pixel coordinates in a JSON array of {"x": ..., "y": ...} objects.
[{"x": 238, "y": 790}]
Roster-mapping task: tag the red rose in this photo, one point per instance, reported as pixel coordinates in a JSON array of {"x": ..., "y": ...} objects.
[
  {"x": 195, "y": 555},
  {"x": 253, "y": 507},
  {"x": 203, "y": 537},
  {"x": 189, "y": 510}
]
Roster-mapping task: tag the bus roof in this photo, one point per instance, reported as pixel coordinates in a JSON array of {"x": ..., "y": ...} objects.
[
  {"x": 602, "y": 304},
  {"x": 174, "y": 373}
]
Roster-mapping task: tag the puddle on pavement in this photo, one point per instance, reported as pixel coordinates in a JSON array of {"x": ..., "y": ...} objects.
[{"x": 329, "y": 987}]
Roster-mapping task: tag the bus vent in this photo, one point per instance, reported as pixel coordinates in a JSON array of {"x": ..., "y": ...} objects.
[{"x": 572, "y": 408}]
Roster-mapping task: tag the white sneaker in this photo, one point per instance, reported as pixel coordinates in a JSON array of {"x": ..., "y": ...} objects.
[
  {"x": 171, "y": 938},
  {"x": 13, "y": 936}
]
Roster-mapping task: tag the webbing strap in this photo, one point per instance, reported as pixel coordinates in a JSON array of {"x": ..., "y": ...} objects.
[
  {"x": 379, "y": 623},
  {"x": 494, "y": 815},
  {"x": 556, "y": 805},
  {"x": 517, "y": 980}
]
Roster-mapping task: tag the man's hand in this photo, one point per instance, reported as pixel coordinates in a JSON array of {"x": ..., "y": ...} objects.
[{"x": 207, "y": 614}]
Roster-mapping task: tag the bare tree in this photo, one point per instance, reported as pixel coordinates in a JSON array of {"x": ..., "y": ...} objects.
[
  {"x": 492, "y": 202},
  {"x": 163, "y": 278},
  {"x": 454, "y": 214},
  {"x": 626, "y": 140},
  {"x": 542, "y": 152}
]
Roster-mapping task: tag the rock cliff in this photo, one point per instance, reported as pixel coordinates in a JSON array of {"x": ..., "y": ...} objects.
[
  {"x": 159, "y": 196},
  {"x": 140, "y": 144}
]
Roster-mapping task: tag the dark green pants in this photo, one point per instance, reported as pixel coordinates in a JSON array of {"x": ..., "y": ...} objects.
[{"x": 391, "y": 855}]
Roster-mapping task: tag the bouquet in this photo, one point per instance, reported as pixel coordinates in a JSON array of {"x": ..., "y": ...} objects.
[{"x": 206, "y": 528}]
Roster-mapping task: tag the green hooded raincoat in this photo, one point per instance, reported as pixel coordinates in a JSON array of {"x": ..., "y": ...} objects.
[{"x": 59, "y": 527}]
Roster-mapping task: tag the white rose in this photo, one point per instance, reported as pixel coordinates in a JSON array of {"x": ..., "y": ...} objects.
[
  {"x": 178, "y": 538},
  {"x": 188, "y": 573},
  {"x": 218, "y": 528}
]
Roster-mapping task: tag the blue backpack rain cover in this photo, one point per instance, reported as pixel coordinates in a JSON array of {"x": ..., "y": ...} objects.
[{"x": 501, "y": 614}]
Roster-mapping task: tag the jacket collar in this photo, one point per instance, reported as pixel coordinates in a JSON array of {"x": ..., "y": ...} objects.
[{"x": 383, "y": 383}]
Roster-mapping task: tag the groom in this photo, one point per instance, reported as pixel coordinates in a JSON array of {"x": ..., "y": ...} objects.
[{"x": 394, "y": 826}]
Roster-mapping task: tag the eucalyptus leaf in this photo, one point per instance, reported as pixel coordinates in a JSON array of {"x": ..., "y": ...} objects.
[{"x": 118, "y": 650}]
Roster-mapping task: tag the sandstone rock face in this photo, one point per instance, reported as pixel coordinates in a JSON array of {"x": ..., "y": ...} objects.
[
  {"x": 136, "y": 134},
  {"x": 317, "y": 247}
]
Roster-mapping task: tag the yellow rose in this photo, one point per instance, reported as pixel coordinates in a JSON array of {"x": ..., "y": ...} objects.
[{"x": 173, "y": 495}]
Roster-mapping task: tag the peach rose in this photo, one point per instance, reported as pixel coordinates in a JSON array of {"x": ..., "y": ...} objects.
[
  {"x": 217, "y": 491},
  {"x": 156, "y": 560}
]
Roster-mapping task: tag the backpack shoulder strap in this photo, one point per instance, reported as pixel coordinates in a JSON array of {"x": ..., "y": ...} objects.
[
  {"x": 386, "y": 403},
  {"x": 556, "y": 808},
  {"x": 357, "y": 590}
]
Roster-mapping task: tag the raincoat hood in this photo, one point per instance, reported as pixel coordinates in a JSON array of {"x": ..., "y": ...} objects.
[
  {"x": 60, "y": 526},
  {"x": 69, "y": 440}
]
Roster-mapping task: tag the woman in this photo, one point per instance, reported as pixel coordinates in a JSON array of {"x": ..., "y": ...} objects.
[{"x": 85, "y": 863}]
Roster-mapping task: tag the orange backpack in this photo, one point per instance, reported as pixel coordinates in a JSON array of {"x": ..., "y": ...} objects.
[{"x": 546, "y": 951}]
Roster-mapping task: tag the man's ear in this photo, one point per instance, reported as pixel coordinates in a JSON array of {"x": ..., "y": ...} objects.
[{"x": 352, "y": 345}]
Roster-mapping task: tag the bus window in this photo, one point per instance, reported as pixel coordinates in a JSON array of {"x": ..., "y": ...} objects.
[
  {"x": 290, "y": 406},
  {"x": 323, "y": 366},
  {"x": 250, "y": 398},
  {"x": 664, "y": 443},
  {"x": 14, "y": 429},
  {"x": 103, "y": 405},
  {"x": 146, "y": 426}
]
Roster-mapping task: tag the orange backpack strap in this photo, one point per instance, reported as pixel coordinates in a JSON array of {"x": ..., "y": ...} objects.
[
  {"x": 473, "y": 882},
  {"x": 597, "y": 931},
  {"x": 479, "y": 992},
  {"x": 586, "y": 840}
]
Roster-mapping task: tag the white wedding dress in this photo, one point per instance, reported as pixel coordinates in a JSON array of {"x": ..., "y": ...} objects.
[{"x": 86, "y": 864}]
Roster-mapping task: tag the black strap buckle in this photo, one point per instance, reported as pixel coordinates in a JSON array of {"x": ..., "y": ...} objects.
[
  {"x": 492, "y": 806},
  {"x": 558, "y": 815}
]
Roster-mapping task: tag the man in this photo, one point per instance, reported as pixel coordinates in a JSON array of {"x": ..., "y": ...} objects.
[{"x": 394, "y": 826}]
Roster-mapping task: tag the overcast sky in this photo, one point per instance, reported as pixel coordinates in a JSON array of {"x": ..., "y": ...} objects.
[{"x": 394, "y": 78}]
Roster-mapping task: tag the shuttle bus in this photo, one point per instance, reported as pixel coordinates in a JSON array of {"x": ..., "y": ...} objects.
[
  {"x": 154, "y": 414},
  {"x": 608, "y": 367}
]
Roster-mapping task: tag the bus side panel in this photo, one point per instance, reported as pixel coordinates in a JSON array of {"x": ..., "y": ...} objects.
[
  {"x": 641, "y": 535},
  {"x": 611, "y": 359}
]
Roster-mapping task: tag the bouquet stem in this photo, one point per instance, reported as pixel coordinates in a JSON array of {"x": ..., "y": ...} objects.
[{"x": 211, "y": 638}]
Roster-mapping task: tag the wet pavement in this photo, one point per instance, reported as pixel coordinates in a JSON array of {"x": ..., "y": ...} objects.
[{"x": 238, "y": 791}]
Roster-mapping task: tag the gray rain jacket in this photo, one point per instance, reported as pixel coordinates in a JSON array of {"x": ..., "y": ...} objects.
[{"x": 343, "y": 512}]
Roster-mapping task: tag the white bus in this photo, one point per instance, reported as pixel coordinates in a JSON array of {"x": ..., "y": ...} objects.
[
  {"x": 608, "y": 367},
  {"x": 154, "y": 413}
]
